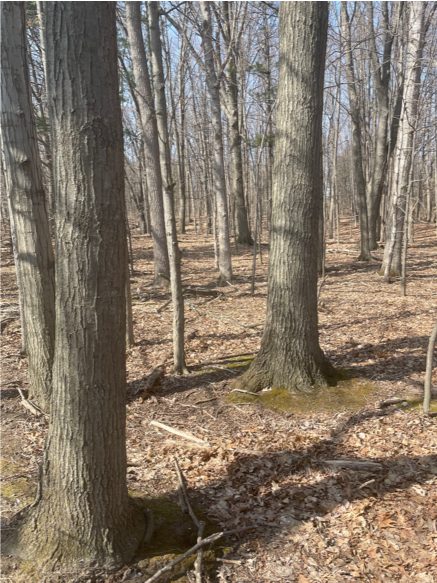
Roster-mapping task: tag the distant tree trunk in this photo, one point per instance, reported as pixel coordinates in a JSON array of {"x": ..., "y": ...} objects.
[
  {"x": 181, "y": 140},
  {"x": 241, "y": 222},
  {"x": 392, "y": 262},
  {"x": 82, "y": 515},
  {"x": 151, "y": 143},
  {"x": 225, "y": 265},
  {"x": 290, "y": 356},
  {"x": 168, "y": 190},
  {"x": 26, "y": 198},
  {"x": 381, "y": 77},
  {"x": 356, "y": 137}
]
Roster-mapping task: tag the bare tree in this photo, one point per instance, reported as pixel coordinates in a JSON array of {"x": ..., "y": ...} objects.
[
  {"x": 27, "y": 204},
  {"x": 290, "y": 356}
]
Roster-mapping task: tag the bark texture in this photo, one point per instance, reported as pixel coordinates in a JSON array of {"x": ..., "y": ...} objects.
[
  {"x": 150, "y": 137},
  {"x": 168, "y": 192},
  {"x": 356, "y": 137},
  {"x": 26, "y": 199},
  {"x": 290, "y": 356},
  {"x": 392, "y": 262},
  {"x": 219, "y": 182},
  {"x": 82, "y": 511}
]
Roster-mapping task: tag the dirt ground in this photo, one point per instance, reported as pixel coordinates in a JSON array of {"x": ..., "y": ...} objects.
[{"x": 264, "y": 463}]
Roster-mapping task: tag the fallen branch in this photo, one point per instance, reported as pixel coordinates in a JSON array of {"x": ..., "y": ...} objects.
[
  {"x": 388, "y": 402},
  {"x": 234, "y": 286},
  {"x": 355, "y": 465},
  {"x": 185, "y": 493},
  {"x": 243, "y": 391},
  {"x": 206, "y": 401},
  {"x": 154, "y": 377},
  {"x": 168, "y": 302},
  {"x": 210, "y": 539},
  {"x": 180, "y": 433}
]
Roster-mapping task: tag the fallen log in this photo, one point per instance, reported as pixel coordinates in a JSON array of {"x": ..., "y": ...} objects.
[{"x": 180, "y": 433}]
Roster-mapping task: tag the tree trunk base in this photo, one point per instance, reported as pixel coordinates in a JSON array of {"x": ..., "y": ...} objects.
[
  {"x": 365, "y": 256},
  {"x": 295, "y": 375},
  {"x": 75, "y": 546},
  {"x": 245, "y": 240}
]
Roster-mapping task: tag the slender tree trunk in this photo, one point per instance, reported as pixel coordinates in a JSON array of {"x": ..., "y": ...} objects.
[
  {"x": 290, "y": 356},
  {"x": 225, "y": 265},
  {"x": 356, "y": 137},
  {"x": 403, "y": 154},
  {"x": 231, "y": 92},
  {"x": 26, "y": 198},
  {"x": 381, "y": 76},
  {"x": 151, "y": 143},
  {"x": 168, "y": 189},
  {"x": 181, "y": 141},
  {"x": 82, "y": 515}
]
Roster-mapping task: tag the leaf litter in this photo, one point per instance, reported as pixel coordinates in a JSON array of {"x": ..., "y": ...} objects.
[{"x": 316, "y": 521}]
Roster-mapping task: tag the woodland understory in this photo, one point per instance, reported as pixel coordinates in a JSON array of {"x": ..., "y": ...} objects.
[{"x": 265, "y": 460}]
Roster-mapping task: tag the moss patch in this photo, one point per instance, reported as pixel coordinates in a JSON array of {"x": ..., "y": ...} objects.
[
  {"x": 19, "y": 487},
  {"x": 173, "y": 534},
  {"x": 347, "y": 394},
  {"x": 417, "y": 405}
]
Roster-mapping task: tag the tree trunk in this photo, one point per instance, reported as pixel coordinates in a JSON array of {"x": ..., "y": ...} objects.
[
  {"x": 181, "y": 140},
  {"x": 356, "y": 137},
  {"x": 26, "y": 198},
  {"x": 82, "y": 515},
  {"x": 225, "y": 265},
  {"x": 381, "y": 76},
  {"x": 290, "y": 356},
  {"x": 151, "y": 142},
  {"x": 392, "y": 262},
  {"x": 168, "y": 190},
  {"x": 241, "y": 222}
]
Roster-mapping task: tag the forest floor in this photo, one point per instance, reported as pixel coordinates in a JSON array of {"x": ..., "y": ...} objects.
[{"x": 264, "y": 462}]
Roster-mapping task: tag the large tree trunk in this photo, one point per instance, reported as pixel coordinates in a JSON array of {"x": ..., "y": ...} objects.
[
  {"x": 168, "y": 190},
  {"x": 151, "y": 142},
  {"x": 82, "y": 515},
  {"x": 356, "y": 137},
  {"x": 225, "y": 265},
  {"x": 392, "y": 262},
  {"x": 33, "y": 247},
  {"x": 290, "y": 356}
]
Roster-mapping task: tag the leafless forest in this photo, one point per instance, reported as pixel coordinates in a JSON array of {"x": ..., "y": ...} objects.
[{"x": 218, "y": 235}]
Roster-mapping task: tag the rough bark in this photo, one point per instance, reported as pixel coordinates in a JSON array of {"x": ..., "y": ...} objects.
[
  {"x": 219, "y": 182},
  {"x": 82, "y": 515},
  {"x": 381, "y": 77},
  {"x": 290, "y": 356},
  {"x": 356, "y": 137},
  {"x": 237, "y": 181},
  {"x": 392, "y": 261},
  {"x": 151, "y": 142},
  {"x": 26, "y": 199},
  {"x": 168, "y": 191}
]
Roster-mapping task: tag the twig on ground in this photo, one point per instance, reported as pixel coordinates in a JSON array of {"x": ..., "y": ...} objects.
[
  {"x": 205, "y": 401},
  {"x": 243, "y": 391},
  {"x": 179, "y": 433},
  {"x": 234, "y": 286},
  {"x": 210, "y": 539},
  {"x": 388, "y": 402},
  {"x": 159, "y": 310}
]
